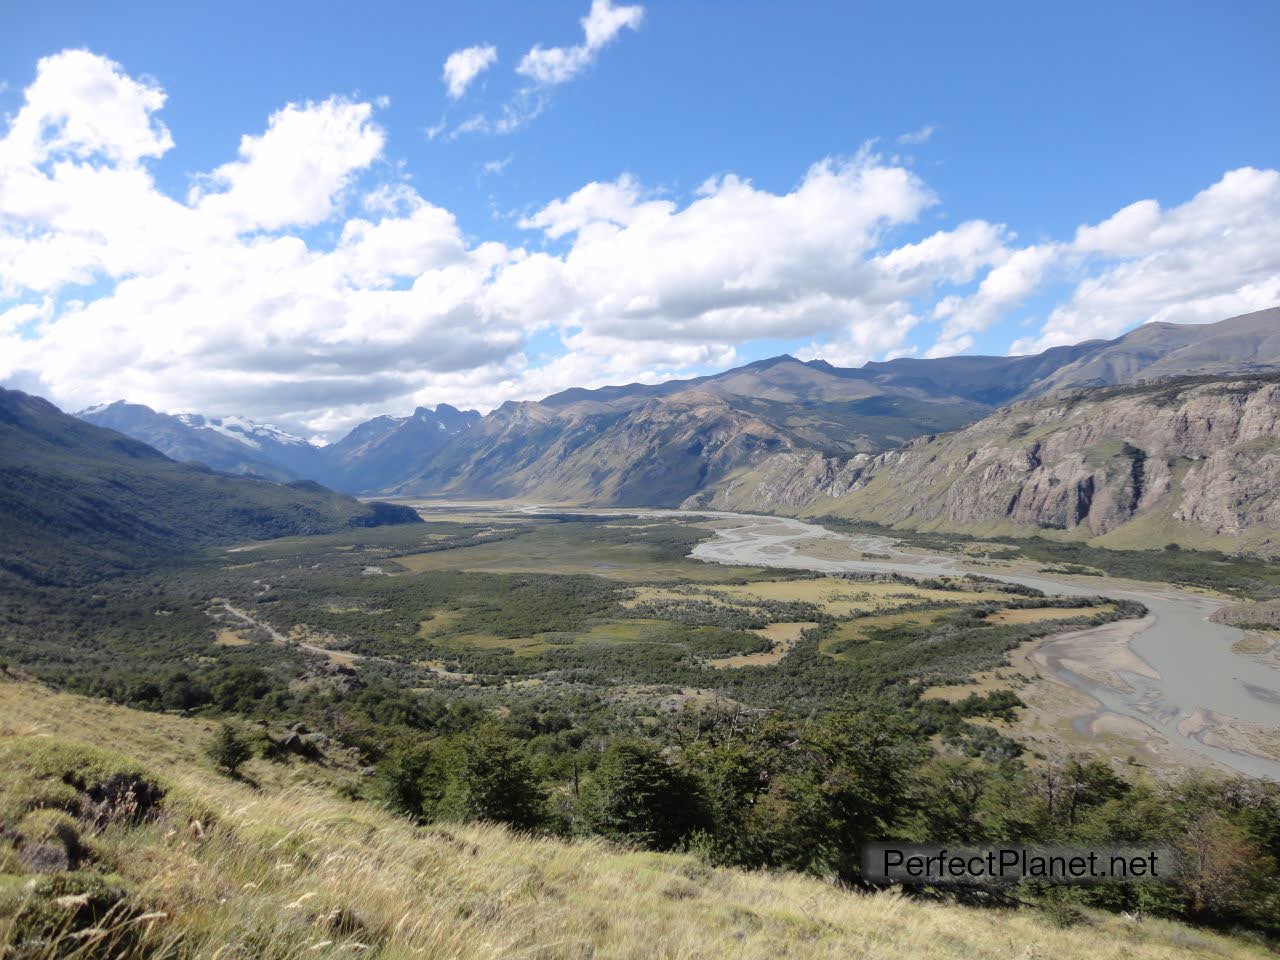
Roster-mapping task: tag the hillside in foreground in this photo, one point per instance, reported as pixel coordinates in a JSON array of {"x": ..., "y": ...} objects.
[{"x": 279, "y": 865}]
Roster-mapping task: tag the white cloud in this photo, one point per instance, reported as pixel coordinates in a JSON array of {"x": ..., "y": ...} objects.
[
  {"x": 550, "y": 66},
  {"x": 1006, "y": 286},
  {"x": 217, "y": 303},
  {"x": 1214, "y": 256},
  {"x": 955, "y": 255},
  {"x": 616, "y": 203},
  {"x": 875, "y": 333},
  {"x": 916, "y": 137},
  {"x": 82, "y": 105},
  {"x": 463, "y": 66},
  {"x": 305, "y": 282},
  {"x": 293, "y": 174},
  {"x": 14, "y": 318},
  {"x": 737, "y": 263}
]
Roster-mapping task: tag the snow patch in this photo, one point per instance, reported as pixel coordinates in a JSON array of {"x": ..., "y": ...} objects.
[{"x": 242, "y": 430}]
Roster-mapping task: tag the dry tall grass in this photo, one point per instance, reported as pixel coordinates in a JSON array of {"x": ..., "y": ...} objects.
[{"x": 291, "y": 870}]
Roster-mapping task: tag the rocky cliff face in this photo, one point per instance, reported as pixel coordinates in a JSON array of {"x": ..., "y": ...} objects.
[
  {"x": 1191, "y": 460},
  {"x": 380, "y": 452},
  {"x": 778, "y": 433},
  {"x": 655, "y": 455}
]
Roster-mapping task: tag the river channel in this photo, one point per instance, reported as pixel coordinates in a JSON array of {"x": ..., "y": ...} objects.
[{"x": 1189, "y": 687}]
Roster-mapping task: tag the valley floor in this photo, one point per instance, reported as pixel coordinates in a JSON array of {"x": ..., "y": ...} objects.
[
  {"x": 1178, "y": 688},
  {"x": 277, "y": 865}
]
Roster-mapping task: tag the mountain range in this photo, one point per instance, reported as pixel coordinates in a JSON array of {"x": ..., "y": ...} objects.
[
  {"x": 662, "y": 444},
  {"x": 231, "y": 445},
  {"x": 375, "y": 455},
  {"x": 79, "y": 502}
]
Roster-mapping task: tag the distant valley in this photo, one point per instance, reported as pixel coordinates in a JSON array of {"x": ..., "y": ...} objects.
[
  {"x": 406, "y": 656},
  {"x": 81, "y": 502}
]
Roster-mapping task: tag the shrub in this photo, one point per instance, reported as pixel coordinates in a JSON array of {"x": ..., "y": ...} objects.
[
  {"x": 410, "y": 780},
  {"x": 228, "y": 750}
]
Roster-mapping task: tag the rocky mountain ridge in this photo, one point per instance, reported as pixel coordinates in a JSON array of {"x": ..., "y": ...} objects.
[
  {"x": 188, "y": 438},
  {"x": 660, "y": 445},
  {"x": 1193, "y": 461},
  {"x": 371, "y": 457},
  {"x": 379, "y": 453}
]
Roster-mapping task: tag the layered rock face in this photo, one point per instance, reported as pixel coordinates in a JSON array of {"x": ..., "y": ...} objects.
[
  {"x": 652, "y": 455},
  {"x": 1201, "y": 454}
]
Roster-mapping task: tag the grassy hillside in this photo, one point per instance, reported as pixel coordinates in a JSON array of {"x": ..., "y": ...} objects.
[
  {"x": 278, "y": 865},
  {"x": 79, "y": 502}
]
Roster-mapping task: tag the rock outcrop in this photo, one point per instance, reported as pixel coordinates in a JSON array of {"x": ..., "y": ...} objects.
[{"x": 1187, "y": 460}]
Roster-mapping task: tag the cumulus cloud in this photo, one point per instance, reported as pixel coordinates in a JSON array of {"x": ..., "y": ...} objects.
[
  {"x": 82, "y": 106},
  {"x": 738, "y": 262},
  {"x": 1216, "y": 255},
  {"x": 616, "y": 203},
  {"x": 293, "y": 174},
  {"x": 218, "y": 302},
  {"x": 304, "y": 281},
  {"x": 877, "y": 332},
  {"x": 463, "y": 66},
  {"x": 1006, "y": 286}
]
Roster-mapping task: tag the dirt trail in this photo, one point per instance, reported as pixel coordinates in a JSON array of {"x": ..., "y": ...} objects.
[{"x": 248, "y": 620}]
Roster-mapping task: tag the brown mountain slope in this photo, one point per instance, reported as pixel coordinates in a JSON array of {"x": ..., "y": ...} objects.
[
  {"x": 1244, "y": 344},
  {"x": 657, "y": 445}
]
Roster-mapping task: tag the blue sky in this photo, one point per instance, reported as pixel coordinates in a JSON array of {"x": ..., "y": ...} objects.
[{"x": 1024, "y": 121}]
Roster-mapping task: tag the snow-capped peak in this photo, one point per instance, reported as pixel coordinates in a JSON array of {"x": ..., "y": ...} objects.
[{"x": 245, "y": 431}]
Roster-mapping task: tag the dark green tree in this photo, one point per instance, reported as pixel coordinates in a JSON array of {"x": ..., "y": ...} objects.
[
  {"x": 228, "y": 750},
  {"x": 732, "y": 777},
  {"x": 636, "y": 796},
  {"x": 410, "y": 779},
  {"x": 840, "y": 783},
  {"x": 491, "y": 779}
]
